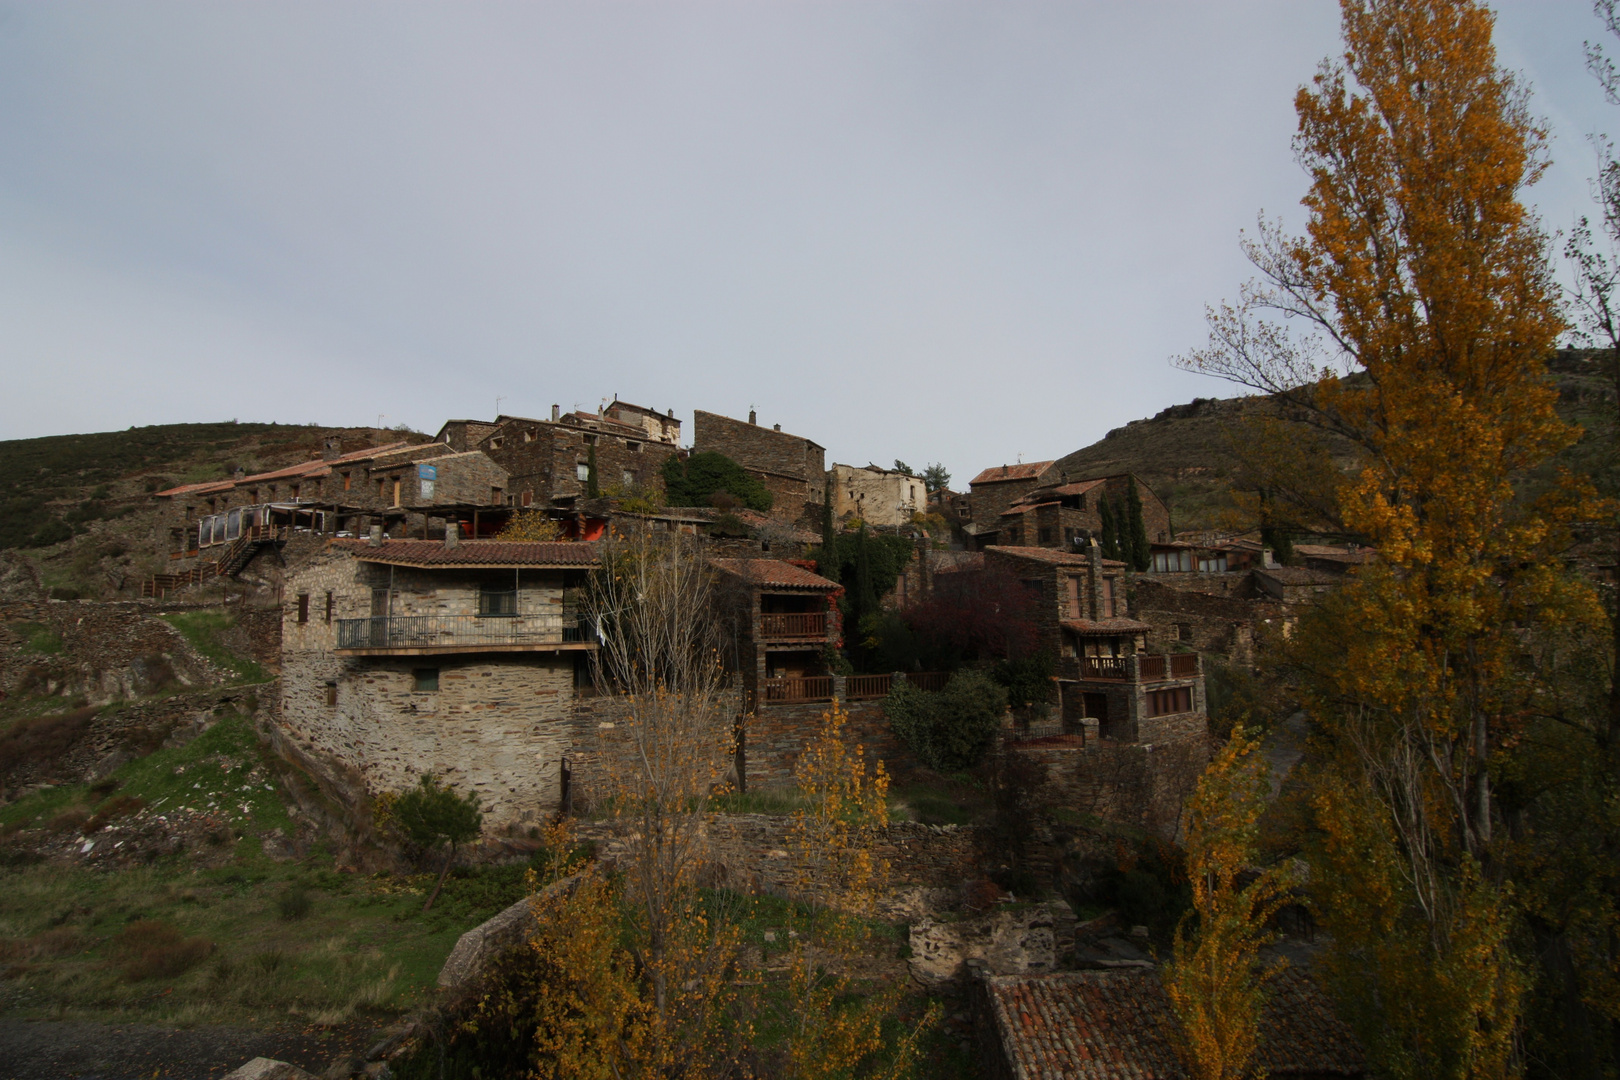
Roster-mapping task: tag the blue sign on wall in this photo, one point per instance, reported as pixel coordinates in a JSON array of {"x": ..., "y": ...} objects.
[{"x": 427, "y": 472}]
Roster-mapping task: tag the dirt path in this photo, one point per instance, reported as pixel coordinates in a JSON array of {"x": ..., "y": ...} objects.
[{"x": 75, "y": 1050}]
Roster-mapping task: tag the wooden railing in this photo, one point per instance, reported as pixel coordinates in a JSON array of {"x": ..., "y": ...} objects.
[
  {"x": 451, "y": 631},
  {"x": 1150, "y": 667},
  {"x": 794, "y": 624},
  {"x": 1105, "y": 667},
  {"x": 231, "y": 558},
  {"x": 928, "y": 680},
  {"x": 798, "y": 688},
  {"x": 868, "y": 686}
]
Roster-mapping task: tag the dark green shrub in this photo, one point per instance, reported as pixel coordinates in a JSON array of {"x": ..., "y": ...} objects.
[
  {"x": 691, "y": 481},
  {"x": 295, "y": 903},
  {"x": 952, "y": 729}
]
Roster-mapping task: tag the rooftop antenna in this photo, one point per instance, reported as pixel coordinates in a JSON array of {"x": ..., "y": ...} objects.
[
  {"x": 1020, "y": 458},
  {"x": 380, "y": 418},
  {"x": 498, "y": 399}
]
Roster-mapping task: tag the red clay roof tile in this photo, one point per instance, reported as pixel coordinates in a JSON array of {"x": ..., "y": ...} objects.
[{"x": 472, "y": 553}]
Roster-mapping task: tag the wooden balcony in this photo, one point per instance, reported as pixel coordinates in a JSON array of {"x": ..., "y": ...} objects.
[
  {"x": 797, "y": 688},
  {"x": 421, "y": 635},
  {"x": 792, "y": 626},
  {"x": 1142, "y": 668}
]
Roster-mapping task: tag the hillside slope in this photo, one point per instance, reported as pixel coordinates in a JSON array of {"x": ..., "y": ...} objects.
[
  {"x": 1190, "y": 454},
  {"x": 81, "y": 507}
]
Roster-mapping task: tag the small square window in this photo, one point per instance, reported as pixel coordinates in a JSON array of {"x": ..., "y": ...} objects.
[
  {"x": 497, "y": 442},
  {"x": 629, "y": 478},
  {"x": 582, "y": 471},
  {"x": 425, "y": 680},
  {"x": 633, "y": 447}
]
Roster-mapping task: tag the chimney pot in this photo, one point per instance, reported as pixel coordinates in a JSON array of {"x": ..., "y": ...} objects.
[
  {"x": 376, "y": 536},
  {"x": 452, "y": 535},
  {"x": 751, "y": 419},
  {"x": 1268, "y": 558},
  {"x": 778, "y": 427}
]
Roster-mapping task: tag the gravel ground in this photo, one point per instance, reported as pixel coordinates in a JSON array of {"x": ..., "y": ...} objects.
[{"x": 74, "y": 1050}]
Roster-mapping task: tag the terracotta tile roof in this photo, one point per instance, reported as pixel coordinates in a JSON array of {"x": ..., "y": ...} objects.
[
  {"x": 1027, "y": 470},
  {"x": 1113, "y": 1025},
  {"x": 1049, "y": 555},
  {"x": 1023, "y": 506},
  {"x": 1298, "y": 575},
  {"x": 1079, "y": 487},
  {"x": 320, "y": 467},
  {"x": 773, "y": 574},
  {"x": 472, "y": 553},
  {"x": 1334, "y": 553},
  {"x": 1105, "y": 626}
]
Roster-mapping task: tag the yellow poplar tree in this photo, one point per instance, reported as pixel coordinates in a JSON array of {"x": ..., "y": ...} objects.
[
  {"x": 1214, "y": 980},
  {"x": 1426, "y": 287}
]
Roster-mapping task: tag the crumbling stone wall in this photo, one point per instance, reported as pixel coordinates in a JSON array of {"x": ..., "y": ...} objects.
[
  {"x": 1141, "y": 785},
  {"x": 110, "y": 651}
]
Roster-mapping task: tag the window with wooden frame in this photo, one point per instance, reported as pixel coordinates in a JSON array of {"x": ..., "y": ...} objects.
[
  {"x": 1168, "y": 702},
  {"x": 425, "y": 680},
  {"x": 329, "y": 607},
  {"x": 303, "y": 607},
  {"x": 1107, "y": 599},
  {"x": 331, "y": 695}
]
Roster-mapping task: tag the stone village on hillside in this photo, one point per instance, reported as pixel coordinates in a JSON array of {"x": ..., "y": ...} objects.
[{"x": 415, "y": 641}]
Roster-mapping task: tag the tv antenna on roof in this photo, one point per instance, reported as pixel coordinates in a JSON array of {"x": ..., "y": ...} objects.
[{"x": 498, "y": 399}]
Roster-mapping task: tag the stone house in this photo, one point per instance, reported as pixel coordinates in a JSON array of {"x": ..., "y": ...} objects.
[
  {"x": 1105, "y": 672},
  {"x": 783, "y": 622},
  {"x": 548, "y": 461},
  {"x": 459, "y": 658},
  {"x": 791, "y": 467},
  {"x": 402, "y": 486},
  {"x": 1098, "y": 1025},
  {"x": 1057, "y": 512},
  {"x": 881, "y": 497},
  {"x": 997, "y": 488}
]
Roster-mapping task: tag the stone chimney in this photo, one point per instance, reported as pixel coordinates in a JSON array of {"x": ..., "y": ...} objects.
[
  {"x": 555, "y": 414},
  {"x": 376, "y": 536},
  {"x": 751, "y": 419},
  {"x": 778, "y": 427},
  {"x": 1268, "y": 558},
  {"x": 452, "y": 535},
  {"x": 333, "y": 447}
]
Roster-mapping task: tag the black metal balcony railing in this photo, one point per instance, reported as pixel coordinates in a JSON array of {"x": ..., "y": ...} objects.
[{"x": 449, "y": 631}]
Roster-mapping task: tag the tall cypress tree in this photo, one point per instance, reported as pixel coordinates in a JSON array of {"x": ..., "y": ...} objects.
[
  {"x": 865, "y": 597},
  {"x": 1109, "y": 540},
  {"x": 592, "y": 488},
  {"x": 1141, "y": 552},
  {"x": 828, "y": 563}
]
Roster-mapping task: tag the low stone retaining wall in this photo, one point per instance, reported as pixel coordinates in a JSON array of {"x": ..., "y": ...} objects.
[{"x": 754, "y": 851}]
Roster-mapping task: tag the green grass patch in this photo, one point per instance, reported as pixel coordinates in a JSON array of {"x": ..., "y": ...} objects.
[
  {"x": 38, "y": 639},
  {"x": 205, "y": 631},
  {"x": 252, "y": 939},
  {"x": 938, "y": 804},
  {"x": 775, "y": 801}
]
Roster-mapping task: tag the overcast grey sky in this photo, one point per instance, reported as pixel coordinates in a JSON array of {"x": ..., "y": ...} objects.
[{"x": 936, "y": 231}]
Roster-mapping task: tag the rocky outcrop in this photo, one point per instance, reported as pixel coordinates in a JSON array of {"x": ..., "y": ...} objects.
[{"x": 477, "y": 946}]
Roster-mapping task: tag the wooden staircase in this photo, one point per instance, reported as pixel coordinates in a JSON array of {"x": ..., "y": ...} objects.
[{"x": 228, "y": 563}]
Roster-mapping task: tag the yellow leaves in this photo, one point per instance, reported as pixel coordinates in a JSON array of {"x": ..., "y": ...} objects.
[
  {"x": 1214, "y": 981},
  {"x": 531, "y": 525}
]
